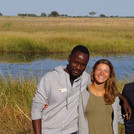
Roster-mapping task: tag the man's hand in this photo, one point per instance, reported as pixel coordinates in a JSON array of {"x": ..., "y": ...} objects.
[
  {"x": 45, "y": 106},
  {"x": 126, "y": 106},
  {"x": 37, "y": 123},
  {"x": 127, "y": 109},
  {"x": 37, "y": 126}
]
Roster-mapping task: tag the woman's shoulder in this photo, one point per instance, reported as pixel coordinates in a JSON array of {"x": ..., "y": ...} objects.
[{"x": 116, "y": 102}]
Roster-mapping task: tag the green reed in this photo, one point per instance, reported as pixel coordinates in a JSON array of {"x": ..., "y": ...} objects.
[{"x": 36, "y": 34}]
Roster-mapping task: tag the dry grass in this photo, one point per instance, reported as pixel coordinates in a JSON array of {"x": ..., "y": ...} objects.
[
  {"x": 15, "y": 105},
  {"x": 61, "y": 34}
]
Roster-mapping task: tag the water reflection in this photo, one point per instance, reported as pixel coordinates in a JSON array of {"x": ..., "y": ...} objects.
[{"x": 21, "y": 64}]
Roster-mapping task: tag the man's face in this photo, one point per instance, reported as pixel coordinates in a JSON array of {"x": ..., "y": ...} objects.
[{"x": 77, "y": 63}]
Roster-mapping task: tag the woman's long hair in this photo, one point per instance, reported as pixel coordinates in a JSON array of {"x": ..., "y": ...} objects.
[{"x": 110, "y": 85}]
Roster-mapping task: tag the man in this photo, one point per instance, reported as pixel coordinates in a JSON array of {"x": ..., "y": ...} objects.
[
  {"x": 128, "y": 93},
  {"x": 60, "y": 89}
]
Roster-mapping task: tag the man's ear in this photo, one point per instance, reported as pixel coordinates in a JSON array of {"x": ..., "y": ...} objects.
[{"x": 69, "y": 58}]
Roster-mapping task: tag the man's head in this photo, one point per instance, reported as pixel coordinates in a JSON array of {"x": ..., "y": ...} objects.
[{"x": 78, "y": 60}]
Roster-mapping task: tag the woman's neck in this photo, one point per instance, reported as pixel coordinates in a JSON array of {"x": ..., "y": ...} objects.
[{"x": 97, "y": 89}]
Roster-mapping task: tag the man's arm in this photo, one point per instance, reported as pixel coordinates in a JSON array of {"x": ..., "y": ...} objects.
[
  {"x": 38, "y": 104},
  {"x": 126, "y": 106},
  {"x": 37, "y": 126}
]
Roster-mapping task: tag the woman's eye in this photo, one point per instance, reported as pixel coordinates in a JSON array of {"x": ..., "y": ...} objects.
[
  {"x": 98, "y": 69},
  {"x": 106, "y": 71}
]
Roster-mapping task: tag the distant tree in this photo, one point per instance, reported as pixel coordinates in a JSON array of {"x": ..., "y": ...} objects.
[
  {"x": 21, "y": 14},
  {"x": 43, "y": 14},
  {"x": 54, "y": 14},
  {"x": 102, "y": 15},
  {"x": 0, "y": 14},
  {"x": 25, "y": 14},
  {"x": 117, "y": 16},
  {"x": 31, "y": 15},
  {"x": 64, "y": 15},
  {"x": 92, "y": 13}
]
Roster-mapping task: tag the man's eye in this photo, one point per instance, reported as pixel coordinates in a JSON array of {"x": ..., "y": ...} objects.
[
  {"x": 82, "y": 65},
  {"x": 76, "y": 62}
]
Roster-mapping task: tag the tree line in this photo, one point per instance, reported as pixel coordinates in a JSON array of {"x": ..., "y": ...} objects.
[
  {"x": 56, "y": 14},
  {"x": 43, "y": 14}
]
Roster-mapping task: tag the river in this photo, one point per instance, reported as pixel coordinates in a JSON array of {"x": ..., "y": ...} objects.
[{"x": 37, "y": 64}]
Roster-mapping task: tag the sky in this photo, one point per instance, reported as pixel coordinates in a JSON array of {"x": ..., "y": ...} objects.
[{"x": 69, "y": 7}]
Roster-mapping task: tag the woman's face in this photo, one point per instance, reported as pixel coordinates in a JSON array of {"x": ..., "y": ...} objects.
[{"x": 102, "y": 73}]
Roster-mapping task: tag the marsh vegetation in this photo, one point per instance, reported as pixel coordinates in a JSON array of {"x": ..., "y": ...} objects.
[
  {"x": 15, "y": 105},
  {"x": 61, "y": 34}
]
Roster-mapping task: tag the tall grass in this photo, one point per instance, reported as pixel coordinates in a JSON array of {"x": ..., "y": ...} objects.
[
  {"x": 25, "y": 34},
  {"x": 15, "y": 104}
]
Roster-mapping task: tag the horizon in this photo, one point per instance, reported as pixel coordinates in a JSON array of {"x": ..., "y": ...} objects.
[{"x": 71, "y": 8}]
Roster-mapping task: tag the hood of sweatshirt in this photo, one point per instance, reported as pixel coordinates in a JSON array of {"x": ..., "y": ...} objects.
[{"x": 62, "y": 75}]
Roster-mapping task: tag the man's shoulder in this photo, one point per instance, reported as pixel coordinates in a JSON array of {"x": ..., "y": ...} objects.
[
  {"x": 86, "y": 77},
  {"x": 129, "y": 84},
  {"x": 85, "y": 74},
  {"x": 129, "y": 87},
  {"x": 48, "y": 74},
  {"x": 57, "y": 71}
]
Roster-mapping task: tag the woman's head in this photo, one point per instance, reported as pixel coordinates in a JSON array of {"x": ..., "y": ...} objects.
[{"x": 103, "y": 73}]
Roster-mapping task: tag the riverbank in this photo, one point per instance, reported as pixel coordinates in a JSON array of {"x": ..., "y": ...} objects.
[
  {"x": 15, "y": 104},
  {"x": 38, "y": 34}
]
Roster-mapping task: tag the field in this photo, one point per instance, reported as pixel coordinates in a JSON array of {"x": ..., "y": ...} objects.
[{"x": 36, "y": 34}]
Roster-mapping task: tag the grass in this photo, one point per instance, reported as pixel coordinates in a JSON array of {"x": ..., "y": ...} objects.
[
  {"x": 35, "y": 34},
  {"x": 15, "y": 104}
]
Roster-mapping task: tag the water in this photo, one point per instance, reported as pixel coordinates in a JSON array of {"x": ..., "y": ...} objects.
[{"x": 37, "y": 64}]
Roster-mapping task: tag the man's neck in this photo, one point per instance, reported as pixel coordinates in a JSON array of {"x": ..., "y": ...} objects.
[{"x": 71, "y": 77}]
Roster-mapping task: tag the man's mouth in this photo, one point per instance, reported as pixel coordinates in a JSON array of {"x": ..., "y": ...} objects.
[{"x": 76, "y": 72}]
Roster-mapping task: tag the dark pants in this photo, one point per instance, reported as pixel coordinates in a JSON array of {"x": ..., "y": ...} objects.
[
  {"x": 129, "y": 126},
  {"x": 74, "y": 133}
]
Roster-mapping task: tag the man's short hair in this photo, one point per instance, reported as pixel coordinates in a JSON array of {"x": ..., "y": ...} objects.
[{"x": 80, "y": 48}]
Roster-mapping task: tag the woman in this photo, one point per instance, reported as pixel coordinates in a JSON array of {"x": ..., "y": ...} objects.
[{"x": 99, "y": 105}]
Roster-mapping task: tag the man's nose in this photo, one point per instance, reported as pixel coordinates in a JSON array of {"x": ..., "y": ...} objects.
[{"x": 78, "y": 66}]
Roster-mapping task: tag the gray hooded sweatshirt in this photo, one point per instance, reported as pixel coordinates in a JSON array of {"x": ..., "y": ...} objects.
[{"x": 55, "y": 89}]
